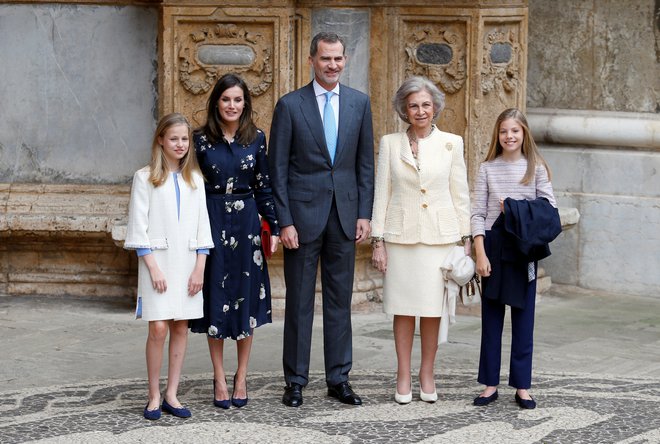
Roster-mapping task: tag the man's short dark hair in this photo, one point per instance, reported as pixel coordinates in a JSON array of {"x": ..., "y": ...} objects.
[{"x": 328, "y": 37}]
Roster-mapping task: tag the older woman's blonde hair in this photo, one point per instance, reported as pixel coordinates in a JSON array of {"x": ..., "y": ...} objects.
[{"x": 413, "y": 85}]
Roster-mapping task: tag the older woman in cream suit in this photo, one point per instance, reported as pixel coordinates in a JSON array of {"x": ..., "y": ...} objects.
[{"x": 421, "y": 210}]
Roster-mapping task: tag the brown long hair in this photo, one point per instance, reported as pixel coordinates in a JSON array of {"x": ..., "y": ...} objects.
[
  {"x": 529, "y": 148},
  {"x": 188, "y": 164},
  {"x": 247, "y": 130}
]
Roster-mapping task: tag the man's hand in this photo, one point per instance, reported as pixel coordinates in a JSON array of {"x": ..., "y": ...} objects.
[
  {"x": 289, "y": 237},
  {"x": 362, "y": 230}
]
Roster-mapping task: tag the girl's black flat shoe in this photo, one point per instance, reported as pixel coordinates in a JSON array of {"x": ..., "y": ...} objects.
[
  {"x": 525, "y": 403},
  {"x": 179, "y": 412},
  {"x": 485, "y": 400},
  {"x": 151, "y": 415}
]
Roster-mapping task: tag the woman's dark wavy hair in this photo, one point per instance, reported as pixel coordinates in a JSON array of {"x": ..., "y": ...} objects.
[{"x": 247, "y": 130}]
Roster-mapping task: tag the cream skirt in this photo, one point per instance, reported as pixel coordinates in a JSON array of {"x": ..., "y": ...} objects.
[{"x": 413, "y": 284}]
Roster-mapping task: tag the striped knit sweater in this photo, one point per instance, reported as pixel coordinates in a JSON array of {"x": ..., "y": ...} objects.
[{"x": 499, "y": 179}]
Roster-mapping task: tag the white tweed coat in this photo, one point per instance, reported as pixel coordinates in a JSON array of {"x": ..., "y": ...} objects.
[
  {"x": 153, "y": 223},
  {"x": 429, "y": 205}
]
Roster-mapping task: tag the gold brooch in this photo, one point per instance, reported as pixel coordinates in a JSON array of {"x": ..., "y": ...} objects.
[{"x": 449, "y": 146}]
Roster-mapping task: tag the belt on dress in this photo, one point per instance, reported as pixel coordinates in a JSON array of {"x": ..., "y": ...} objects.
[{"x": 230, "y": 196}]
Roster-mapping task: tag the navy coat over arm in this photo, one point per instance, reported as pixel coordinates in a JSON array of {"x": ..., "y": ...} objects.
[{"x": 519, "y": 236}]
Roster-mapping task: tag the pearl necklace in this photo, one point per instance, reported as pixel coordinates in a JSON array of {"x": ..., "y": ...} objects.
[{"x": 412, "y": 138}]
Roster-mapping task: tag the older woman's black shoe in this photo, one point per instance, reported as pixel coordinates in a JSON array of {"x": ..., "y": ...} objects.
[{"x": 485, "y": 400}]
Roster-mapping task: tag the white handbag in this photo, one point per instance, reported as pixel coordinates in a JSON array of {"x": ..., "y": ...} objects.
[
  {"x": 460, "y": 269},
  {"x": 457, "y": 270}
]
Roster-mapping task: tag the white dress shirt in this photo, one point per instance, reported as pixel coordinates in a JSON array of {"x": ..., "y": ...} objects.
[{"x": 334, "y": 101}]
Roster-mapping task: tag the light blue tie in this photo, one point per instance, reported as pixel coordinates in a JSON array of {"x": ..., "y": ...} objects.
[{"x": 329, "y": 126}]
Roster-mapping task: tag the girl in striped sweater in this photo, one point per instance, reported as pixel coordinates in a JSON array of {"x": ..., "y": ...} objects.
[{"x": 513, "y": 169}]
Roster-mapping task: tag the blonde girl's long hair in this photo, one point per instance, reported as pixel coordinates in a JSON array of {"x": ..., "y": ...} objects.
[
  {"x": 529, "y": 148},
  {"x": 188, "y": 164}
]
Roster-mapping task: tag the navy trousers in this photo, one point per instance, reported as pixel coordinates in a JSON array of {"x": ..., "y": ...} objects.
[
  {"x": 522, "y": 341},
  {"x": 337, "y": 255}
]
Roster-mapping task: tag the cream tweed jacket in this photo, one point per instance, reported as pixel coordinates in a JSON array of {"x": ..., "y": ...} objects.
[{"x": 429, "y": 204}]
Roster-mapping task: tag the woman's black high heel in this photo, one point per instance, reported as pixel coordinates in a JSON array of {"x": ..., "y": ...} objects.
[
  {"x": 223, "y": 404},
  {"x": 238, "y": 402}
]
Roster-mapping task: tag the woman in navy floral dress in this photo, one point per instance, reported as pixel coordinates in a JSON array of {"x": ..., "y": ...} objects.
[{"x": 232, "y": 156}]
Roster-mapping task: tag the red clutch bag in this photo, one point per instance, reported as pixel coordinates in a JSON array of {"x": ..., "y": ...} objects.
[{"x": 265, "y": 238}]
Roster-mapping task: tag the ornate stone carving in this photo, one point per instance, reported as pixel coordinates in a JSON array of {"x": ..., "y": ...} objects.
[
  {"x": 449, "y": 44},
  {"x": 500, "y": 68},
  {"x": 198, "y": 78}
]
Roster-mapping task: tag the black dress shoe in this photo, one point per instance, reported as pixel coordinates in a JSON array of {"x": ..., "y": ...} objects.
[
  {"x": 344, "y": 393},
  {"x": 485, "y": 400},
  {"x": 292, "y": 395},
  {"x": 525, "y": 403}
]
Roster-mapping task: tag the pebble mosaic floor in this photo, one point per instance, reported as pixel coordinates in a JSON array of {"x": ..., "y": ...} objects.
[{"x": 571, "y": 409}]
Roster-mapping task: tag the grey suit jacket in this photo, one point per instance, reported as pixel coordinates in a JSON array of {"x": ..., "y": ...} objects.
[{"x": 303, "y": 179}]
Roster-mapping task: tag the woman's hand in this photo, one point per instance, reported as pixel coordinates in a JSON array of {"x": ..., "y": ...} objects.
[
  {"x": 196, "y": 279},
  {"x": 274, "y": 241},
  {"x": 468, "y": 247},
  {"x": 379, "y": 256},
  {"x": 483, "y": 265},
  {"x": 157, "y": 277}
]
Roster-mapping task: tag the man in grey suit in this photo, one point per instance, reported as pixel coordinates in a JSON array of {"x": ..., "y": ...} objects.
[{"x": 322, "y": 175}]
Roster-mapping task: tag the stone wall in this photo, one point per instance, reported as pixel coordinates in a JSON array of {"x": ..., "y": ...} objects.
[
  {"x": 78, "y": 92},
  {"x": 78, "y": 103},
  {"x": 601, "y": 58},
  {"x": 600, "y": 55},
  {"x": 353, "y": 26}
]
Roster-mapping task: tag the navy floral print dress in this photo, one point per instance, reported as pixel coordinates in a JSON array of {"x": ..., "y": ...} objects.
[{"x": 236, "y": 285}]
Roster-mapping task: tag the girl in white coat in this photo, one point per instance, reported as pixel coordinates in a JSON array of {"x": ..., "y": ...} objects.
[{"x": 169, "y": 227}]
